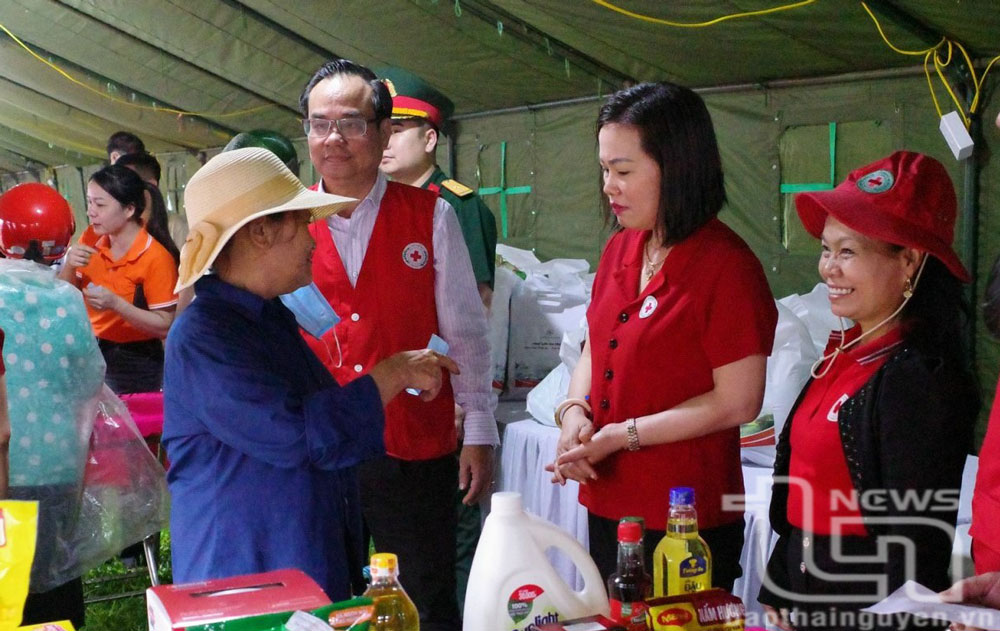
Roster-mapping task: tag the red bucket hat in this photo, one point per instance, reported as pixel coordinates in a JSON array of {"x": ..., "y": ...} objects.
[{"x": 906, "y": 199}]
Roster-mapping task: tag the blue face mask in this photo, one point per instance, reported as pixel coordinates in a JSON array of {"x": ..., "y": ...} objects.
[{"x": 312, "y": 311}]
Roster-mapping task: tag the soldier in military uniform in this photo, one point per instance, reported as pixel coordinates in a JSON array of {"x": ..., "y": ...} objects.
[{"x": 419, "y": 112}]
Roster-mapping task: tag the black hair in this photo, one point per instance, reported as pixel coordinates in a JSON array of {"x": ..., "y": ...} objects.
[
  {"x": 143, "y": 163},
  {"x": 932, "y": 322},
  {"x": 933, "y": 319},
  {"x": 157, "y": 224},
  {"x": 991, "y": 301},
  {"x": 125, "y": 142},
  {"x": 127, "y": 188},
  {"x": 124, "y": 185},
  {"x": 676, "y": 131},
  {"x": 381, "y": 99}
]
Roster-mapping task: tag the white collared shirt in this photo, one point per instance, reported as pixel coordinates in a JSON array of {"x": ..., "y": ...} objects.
[{"x": 460, "y": 310}]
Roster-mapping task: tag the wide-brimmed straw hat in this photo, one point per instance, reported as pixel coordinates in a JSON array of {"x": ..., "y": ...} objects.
[
  {"x": 231, "y": 190},
  {"x": 906, "y": 199}
]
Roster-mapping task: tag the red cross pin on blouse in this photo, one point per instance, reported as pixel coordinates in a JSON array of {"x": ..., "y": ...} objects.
[
  {"x": 648, "y": 307},
  {"x": 415, "y": 255}
]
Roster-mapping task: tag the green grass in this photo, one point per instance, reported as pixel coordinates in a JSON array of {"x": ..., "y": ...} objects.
[{"x": 112, "y": 578}]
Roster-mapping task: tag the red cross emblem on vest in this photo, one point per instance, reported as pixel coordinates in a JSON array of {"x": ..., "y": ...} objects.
[{"x": 415, "y": 255}]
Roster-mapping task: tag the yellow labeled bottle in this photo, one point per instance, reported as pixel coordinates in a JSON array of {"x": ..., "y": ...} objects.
[
  {"x": 682, "y": 562},
  {"x": 393, "y": 609}
]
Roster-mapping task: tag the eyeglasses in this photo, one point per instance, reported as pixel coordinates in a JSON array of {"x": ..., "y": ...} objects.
[{"x": 346, "y": 127}]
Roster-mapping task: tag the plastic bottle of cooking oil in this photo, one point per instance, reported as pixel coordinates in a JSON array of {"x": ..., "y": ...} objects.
[
  {"x": 682, "y": 562},
  {"x": 393, "y": 609}
]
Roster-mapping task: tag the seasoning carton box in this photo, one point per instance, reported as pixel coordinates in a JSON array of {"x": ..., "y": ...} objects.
[
  {"x": 708, "y": 610},
  {"x": 589, "y": 623}
]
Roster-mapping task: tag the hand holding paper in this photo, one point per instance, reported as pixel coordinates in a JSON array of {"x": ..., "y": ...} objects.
[{"x": 916, "y": 599}]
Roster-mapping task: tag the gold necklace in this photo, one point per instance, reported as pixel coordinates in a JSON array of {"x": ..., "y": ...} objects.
[{"x": 650, "y": 267}]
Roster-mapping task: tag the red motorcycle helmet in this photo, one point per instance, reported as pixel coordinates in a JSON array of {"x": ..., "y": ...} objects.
[{"x": 36, "y": 223}]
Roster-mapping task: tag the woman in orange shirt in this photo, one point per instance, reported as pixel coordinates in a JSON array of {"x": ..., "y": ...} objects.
[{"x": 127, "y": 278}]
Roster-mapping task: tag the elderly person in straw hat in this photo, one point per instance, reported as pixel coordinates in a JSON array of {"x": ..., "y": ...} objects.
[
  {"x": 263, "y": 442},
  {"x": 869, "y": 464}
]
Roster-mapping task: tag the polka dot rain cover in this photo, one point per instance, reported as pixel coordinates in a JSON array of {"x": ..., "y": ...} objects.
[{"x": 54, "y": 372}]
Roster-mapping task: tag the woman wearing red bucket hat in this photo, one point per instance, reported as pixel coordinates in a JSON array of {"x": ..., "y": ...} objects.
[{"x": 869, "y": 466}]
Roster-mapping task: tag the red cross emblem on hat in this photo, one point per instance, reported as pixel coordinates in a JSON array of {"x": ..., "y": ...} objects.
[
  {"x": 415, "y": 255},
  {"x": 876, "y": 182}
]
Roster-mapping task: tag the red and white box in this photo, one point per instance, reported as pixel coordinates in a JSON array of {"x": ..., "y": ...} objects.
[{"x": 178, "y": 607}]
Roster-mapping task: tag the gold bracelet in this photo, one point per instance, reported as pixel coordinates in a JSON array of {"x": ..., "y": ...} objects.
[
  {"x": 631, "y": 435},
  {"x": 567, "y": 404}
]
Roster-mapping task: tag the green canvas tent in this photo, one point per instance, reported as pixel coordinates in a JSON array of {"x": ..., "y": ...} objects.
[{"x": 800, "y": 92}]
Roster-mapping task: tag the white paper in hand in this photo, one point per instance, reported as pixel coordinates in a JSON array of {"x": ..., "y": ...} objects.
[
  {"x": 918, "y": 600},
  {"x": 438, "y": 345}
]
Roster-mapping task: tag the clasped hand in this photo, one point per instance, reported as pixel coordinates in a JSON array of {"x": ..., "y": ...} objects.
[{"x": 580, "y": 448}]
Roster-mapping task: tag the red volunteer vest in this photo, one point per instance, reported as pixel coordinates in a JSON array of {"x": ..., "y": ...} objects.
[{"x": 390, "y": 309}]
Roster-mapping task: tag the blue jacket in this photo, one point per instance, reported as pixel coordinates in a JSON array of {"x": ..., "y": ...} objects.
[{"x": 263, "y": 445}]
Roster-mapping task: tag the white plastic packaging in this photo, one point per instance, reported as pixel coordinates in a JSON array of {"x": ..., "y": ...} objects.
[{"x": 513, "y": 586}]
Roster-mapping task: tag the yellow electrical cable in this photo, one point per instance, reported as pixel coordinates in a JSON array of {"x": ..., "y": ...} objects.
[
  {"x": 154, "y": 108},
  {"x": 647, "y": 18},
  {"x": 968, "y": 62},
  {"x": 930, "y": 84},
  {"x": 899, "y": 50},
  {"x": 938, "y": 66},
  {"x": 982, "y": 79}
]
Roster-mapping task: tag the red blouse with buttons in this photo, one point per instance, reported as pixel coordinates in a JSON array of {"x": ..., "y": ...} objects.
[
  {"x": 708, "y": 306},
  {"x": 817, "y": 456},
  {"x": 985, "y": 529}
]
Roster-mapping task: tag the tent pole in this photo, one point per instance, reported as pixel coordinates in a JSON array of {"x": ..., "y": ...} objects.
[
  {"x": 891, "y": 73},
  {"x": 970, "y": 228}
]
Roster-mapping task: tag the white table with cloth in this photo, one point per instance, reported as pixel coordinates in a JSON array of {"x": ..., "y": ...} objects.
[{"x": 527, "y": 446}]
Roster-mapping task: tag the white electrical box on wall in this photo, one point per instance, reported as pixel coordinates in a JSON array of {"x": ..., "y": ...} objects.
[{"x": 954, "y": 131}]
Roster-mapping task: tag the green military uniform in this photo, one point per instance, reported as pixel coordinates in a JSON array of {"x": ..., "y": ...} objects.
[{"x": 479, "y": 227}]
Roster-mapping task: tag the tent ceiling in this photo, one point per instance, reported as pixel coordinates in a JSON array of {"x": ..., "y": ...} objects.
[{"x": 240, "y": 64}]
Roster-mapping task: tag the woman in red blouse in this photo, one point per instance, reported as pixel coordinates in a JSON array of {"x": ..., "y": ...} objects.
[
  {"x": 985, "y": 529},
  {"x": 680, "y": 325},
  {"x": 869, "y": 464}
]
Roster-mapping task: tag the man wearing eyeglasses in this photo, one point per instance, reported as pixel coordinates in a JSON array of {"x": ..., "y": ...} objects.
[{"x": 397, "y": 270}]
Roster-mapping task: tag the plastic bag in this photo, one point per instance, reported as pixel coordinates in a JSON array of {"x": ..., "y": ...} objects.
[
  {"x": 792, "y": 356},
  {"x": 813, "y": 309},
  {"x": 54, "y": 374},
  {"x": 543, "y": 398},
  {"x": 125, "y": 497},
  {"x": 499, "y": 316},
  {"x": 73, "y": 443},
  {"x": 552, "y": 300}
]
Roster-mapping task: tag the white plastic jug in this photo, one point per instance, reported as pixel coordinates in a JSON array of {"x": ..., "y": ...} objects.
[{"x": 512, "y": 585}]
